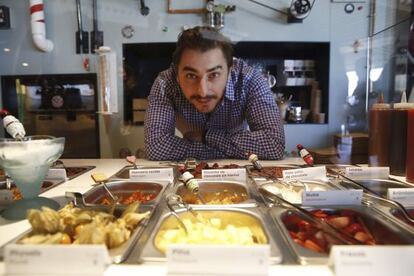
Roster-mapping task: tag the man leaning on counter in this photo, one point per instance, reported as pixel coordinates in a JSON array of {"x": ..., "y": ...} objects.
[{"x": 222, "y": 106}]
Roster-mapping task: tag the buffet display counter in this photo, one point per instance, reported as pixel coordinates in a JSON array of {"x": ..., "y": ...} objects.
[{"x": 239, "y": 200}]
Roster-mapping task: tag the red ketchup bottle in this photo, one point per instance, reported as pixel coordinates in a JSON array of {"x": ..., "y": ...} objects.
[
  {"x": 409, "y": 173},
  {"x": 379, "y": 133},
  {"x": 306, "y": 156}
]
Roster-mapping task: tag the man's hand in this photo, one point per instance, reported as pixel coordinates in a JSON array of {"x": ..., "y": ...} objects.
[{"x": 195, "y": 136}]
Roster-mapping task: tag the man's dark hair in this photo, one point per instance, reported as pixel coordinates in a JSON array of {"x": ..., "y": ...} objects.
[{"x": 203, "y": 39}]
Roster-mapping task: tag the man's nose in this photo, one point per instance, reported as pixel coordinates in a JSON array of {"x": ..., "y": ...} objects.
[{"x": 202, "y": 87}]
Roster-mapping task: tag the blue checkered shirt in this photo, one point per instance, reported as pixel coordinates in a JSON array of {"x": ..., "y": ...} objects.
[{"x": 246, "y": 120}]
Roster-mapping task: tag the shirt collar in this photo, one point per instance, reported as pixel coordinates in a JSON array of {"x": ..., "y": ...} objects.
[{"x": 231, "y": 81}]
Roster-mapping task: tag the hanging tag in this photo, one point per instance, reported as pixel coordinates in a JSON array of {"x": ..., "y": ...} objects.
[
  {"x": 56, "y": 259},
  {"x": 372, "y": 260},
  {"x": 184, "y": 259},
  {"x": 152, "y": 174},
  {"x": 225, "y": 174},
  {"x": 367, "y": 172},
  {"x": 339, "y": 197},
  {"x": 405, "y": 196},
  {"x": 306, "y": 173}
]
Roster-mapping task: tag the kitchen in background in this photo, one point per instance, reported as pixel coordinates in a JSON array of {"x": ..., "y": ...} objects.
[{"x": 56, "y": 105}]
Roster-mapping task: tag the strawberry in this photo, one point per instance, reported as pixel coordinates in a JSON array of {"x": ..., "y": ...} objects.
[
  {"x": 339, "y": 222},
  {"x": 353, "y": 228},
  {"x": 361, "y": 236},
  {"x": 312, "y": 246}
]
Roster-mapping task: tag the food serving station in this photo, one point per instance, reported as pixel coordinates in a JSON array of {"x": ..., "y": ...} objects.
[{"x": 265, "y": 208}]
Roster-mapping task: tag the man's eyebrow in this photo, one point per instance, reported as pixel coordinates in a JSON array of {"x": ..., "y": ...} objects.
[
  {"x": 188, "y": 68},
  {"x": 191, "y": 69},
  {"x": 215, "y": 68}
]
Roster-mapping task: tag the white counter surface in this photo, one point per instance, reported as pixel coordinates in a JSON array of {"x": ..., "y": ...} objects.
[{"x": 9, "y": 230}]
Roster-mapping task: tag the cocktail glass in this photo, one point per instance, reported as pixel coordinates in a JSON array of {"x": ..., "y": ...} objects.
[{"x": 27, "y": 163}]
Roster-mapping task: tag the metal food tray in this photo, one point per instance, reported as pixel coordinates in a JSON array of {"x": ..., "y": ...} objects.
[
  {"x": 126, "y": 187},
  {"x": 309, "y": 185},
  {"x": 384, "y": 230},
  {"x": 75, "y": 171},
  {"x": 379, "y": 186},
  {"x": 209, "y": 189},
  {"x": 254, "y": 217},
  {"x": 120, "y": 253}
]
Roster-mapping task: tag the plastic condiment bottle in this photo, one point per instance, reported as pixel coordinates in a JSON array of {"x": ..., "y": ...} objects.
[
  {"x": 12, "y": 125},
  {"x": 398, "y": 142},
  {"x": 306, "y": 156},
  {"x": 190, "y": 182},
  {"x": 255, "y": 161},
  {"x": 409, "y": 174},
  {"x": 379, "y": 133}
]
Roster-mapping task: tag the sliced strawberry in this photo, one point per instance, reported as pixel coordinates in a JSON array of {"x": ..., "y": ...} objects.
[
  {"x": 293, "y": 235},
  {"x": 319, "y": 238},
  {"x": 299, "y": 242},
  {"x": 339, "y": 222},
  {"x": 353, "y": 228},
  {"x": 319, "y": 214},
  {"x": 361, "y": 236},
  {"x": 312, "y": 246},
  {"x": 304, "y": 225}
]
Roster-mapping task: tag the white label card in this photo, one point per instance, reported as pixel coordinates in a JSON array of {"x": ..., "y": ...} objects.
[
  {"x": 56, "y": 259},
  {"x": 53, "y": 173},
  {"x": 225, "y": 174},
  {"x": 185, "y": 259},
  {"x": 405, "y": 196},
  {"x": 306, "y": 173},
  {"x": 372, "y": 260},
  {"x": 367, "y": 172},
  {"x": 339, "y": 197},
  {"x": 152, "y": 174}
]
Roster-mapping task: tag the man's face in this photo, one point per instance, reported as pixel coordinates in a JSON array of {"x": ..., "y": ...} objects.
[{"x": 203, "y": 77}]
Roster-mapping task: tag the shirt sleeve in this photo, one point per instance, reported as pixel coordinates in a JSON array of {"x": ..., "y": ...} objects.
[
  {"x": 161, "y": 143},
  {"x": 265, "y": 137}
]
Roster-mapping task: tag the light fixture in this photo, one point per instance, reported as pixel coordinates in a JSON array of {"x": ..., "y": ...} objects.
[
  {"x": 25, "y": 64},
  {"x": 7, "y": 50}
]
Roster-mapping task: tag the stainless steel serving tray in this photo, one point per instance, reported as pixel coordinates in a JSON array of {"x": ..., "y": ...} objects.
[
  {"x": 243, "y": 193},
  {"x": 289, "y": 189},
  {"x": 253, "y": 217},
  {"x": 384, "y": 230},
  {"x": 124, "y": 188},
  {"x": 379, "y": 186},
  {"x": 120, "y": 253},
  {"x": 75, "y": 171}
]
